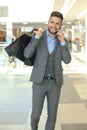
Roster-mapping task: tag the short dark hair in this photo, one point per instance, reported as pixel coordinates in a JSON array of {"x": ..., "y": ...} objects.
[{"x": 57, "y": 14}]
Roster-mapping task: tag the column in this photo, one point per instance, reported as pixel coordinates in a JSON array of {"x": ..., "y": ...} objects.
[
  {"x": 9, "y": 32},
  {"x": 86, "y": 34},
  {"x": 86, "y": 39}
]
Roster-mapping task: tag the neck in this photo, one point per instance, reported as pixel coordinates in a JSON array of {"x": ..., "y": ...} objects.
[{"x": 52, "y": 35}]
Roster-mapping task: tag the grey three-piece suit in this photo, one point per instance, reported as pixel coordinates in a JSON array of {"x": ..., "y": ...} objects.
[{"x": 42, "y": 86}]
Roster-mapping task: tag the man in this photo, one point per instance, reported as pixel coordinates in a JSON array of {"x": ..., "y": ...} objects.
[{"x": 51, "y": 49}]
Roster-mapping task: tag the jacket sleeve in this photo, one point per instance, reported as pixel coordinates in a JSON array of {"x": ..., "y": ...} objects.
[
  {"x": 66, "y": 56},
  {"x": 31, "y": 47}
]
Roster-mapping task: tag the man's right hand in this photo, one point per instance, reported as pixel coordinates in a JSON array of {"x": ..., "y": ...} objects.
[{"x": 38, "y": 33}]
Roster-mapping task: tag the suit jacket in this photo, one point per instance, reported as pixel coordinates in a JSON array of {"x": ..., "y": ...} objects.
[
  {"x": 40, "y": 46},
  {"x": 16, "y": 49}
]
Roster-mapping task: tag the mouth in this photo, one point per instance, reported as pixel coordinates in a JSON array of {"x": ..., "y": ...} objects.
[{"x": 52, "y": 31}]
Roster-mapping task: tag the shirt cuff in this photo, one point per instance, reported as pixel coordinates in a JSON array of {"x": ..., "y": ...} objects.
[{"x": 63, "y": 43}]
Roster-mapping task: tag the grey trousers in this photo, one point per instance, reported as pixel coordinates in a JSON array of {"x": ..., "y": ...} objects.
[{"x": 49, "y": 89}]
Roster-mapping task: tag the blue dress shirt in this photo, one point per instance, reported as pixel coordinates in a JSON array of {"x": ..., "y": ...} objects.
[{"x": 51, "y": 42}]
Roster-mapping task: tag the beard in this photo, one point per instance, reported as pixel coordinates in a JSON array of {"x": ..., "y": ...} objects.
[{"x": 52, "y": 31}]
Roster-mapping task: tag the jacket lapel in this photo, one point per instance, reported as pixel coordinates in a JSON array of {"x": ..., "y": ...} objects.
[{"x": 45, "y": 40}]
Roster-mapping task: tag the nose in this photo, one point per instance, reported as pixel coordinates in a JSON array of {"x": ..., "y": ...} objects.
[{"x": 54, "y": 25}]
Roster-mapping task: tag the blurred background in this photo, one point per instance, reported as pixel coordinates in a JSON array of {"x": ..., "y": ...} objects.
[{"x": 20, "y": 17}]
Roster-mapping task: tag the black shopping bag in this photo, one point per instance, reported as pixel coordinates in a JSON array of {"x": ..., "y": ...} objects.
[{"x": 16, "y": 49}]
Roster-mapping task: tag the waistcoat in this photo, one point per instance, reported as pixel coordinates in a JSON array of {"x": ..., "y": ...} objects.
[{"x": 50, "y": 64}]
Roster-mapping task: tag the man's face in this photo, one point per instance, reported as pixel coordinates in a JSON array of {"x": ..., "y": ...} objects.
[{"x": 54, "y": 24}]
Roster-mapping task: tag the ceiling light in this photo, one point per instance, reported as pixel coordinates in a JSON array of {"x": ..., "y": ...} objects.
[
  {"x": 82, "y": 14},
  {"x": 68, "y": 22},
  {"x": 3, "y": 23},
  {"x": 67, "y": 6},
  {"x": 25, "y": 23}
]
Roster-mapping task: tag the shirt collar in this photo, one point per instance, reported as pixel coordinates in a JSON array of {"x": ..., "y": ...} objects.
[{"x": 48, "y": 34}]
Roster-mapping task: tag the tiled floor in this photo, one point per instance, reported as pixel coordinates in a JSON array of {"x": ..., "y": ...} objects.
[{"x": 16, "y": 95}]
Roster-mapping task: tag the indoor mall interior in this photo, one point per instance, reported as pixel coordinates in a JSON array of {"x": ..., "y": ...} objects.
[{"x": 21, "y": 17}]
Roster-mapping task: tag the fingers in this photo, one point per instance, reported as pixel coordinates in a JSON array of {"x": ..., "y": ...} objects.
[
  {"x": 60, "y": 35},
  {"x": 38, "y": 32}
]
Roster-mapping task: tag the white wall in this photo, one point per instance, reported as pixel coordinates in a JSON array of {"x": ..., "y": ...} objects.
[{"x": 28, "y": 10}]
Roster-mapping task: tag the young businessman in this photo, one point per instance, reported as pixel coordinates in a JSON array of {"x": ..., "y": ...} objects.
[{"x": 51, "y": 49}]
